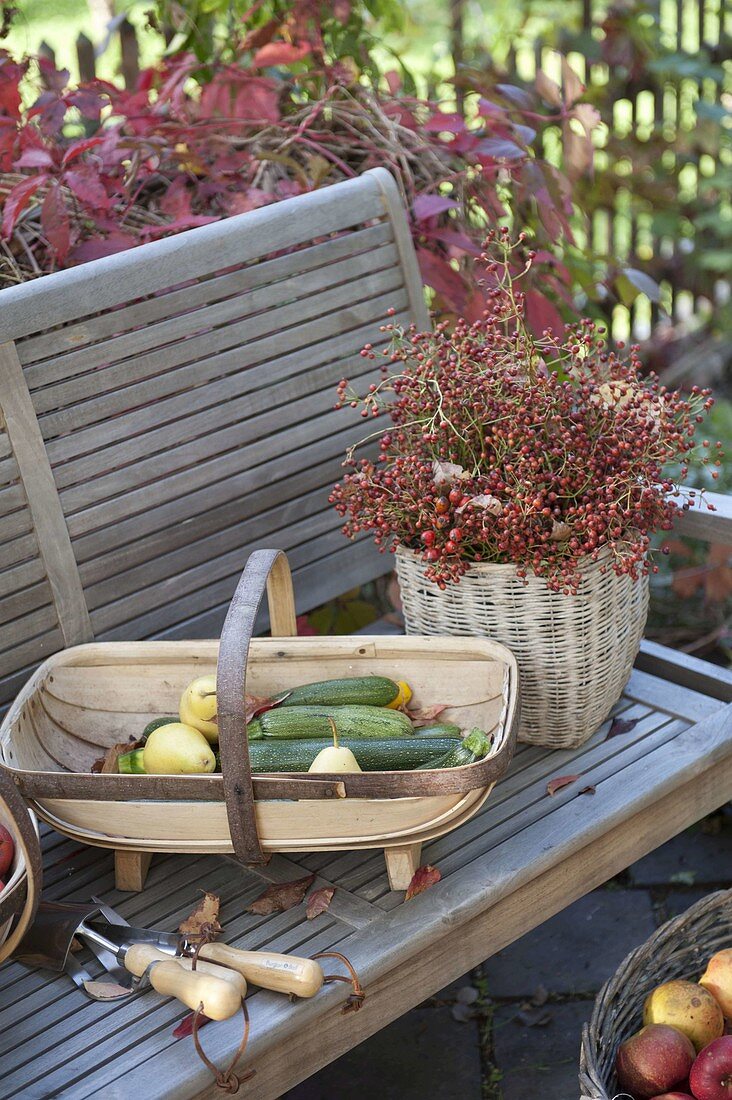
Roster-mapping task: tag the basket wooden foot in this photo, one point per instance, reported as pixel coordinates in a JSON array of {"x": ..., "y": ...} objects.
[
  {"x": 130, "y": 869},
  {"x": 401, "y": 863}
]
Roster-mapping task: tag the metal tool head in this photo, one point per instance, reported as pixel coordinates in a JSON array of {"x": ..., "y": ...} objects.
[
  {"x": 123, "y": 935},
  {"x": 48, "y": 940}
]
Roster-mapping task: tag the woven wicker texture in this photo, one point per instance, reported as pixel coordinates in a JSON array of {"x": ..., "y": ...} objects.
[
  {"x": 679, "y": 949},
  {"x": 574, "y": 653}
]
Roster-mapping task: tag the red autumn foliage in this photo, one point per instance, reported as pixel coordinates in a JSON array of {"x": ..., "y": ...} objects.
[{"x": 95, "y": 169}]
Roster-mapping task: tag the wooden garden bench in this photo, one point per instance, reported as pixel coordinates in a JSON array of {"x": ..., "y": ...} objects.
[{"x": 164, "y": 412}]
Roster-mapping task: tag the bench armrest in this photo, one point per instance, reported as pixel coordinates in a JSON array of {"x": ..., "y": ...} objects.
[{"x": 700, "y": 523}]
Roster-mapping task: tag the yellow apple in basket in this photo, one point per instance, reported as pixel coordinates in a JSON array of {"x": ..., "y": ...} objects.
[
  {"x": 717, "y": 978},
  {"x": 688, "y": 1007},
  {"x": 198, "y": 707}
]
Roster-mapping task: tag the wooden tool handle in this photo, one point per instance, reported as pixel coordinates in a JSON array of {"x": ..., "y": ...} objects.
[
  {"x": 219, "y": 998},
  {"x": 282, "y": 973},
  {"x": 265, "y": 570}
]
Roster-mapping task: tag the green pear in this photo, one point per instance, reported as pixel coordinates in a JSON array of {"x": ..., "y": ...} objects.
[{"x": 177, "y": 749}]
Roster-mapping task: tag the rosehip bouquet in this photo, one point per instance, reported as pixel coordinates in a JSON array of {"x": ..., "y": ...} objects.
[{"x": 504, "y": 448}]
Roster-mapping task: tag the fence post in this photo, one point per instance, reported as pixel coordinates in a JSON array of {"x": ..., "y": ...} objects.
[
  {"x": 130, "y": 53},
  {"x": 85, "y": 57}
]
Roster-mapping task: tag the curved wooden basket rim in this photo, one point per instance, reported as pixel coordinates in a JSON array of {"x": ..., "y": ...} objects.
[
  {"x": 22, "y": 900},
  {"x": 266, "y": 570}
]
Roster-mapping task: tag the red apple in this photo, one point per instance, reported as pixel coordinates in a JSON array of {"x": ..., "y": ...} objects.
[
  {"x": 655, "y": 1058},
  {"x": 673, "y": 1096},
  {"x": 711, "y": 1074},
  {"x": 7, "y": 850}
]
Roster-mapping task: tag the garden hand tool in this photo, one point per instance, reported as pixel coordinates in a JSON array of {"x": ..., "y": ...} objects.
[
  {"x": 48, "y": 943},
  {"x": 299, "y": 977}
]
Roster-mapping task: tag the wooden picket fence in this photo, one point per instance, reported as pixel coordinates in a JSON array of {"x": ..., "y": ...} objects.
[{"x": 648, "y": 103}]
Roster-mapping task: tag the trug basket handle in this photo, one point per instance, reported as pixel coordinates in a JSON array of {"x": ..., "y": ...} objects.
[{"x": 265, "y": 569}]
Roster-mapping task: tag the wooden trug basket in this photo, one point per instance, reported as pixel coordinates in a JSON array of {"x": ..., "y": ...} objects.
[{"x": 84, "y": 699}]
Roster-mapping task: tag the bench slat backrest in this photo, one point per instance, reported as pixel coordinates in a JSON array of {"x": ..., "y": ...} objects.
[{"x": 169, "y": 409}]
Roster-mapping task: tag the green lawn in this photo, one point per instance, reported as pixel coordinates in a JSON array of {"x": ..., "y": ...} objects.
[{"x": 60, "y": 22}]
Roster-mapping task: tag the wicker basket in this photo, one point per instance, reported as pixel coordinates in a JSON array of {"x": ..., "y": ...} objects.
[
  {"x": 21, "y": 894},
  {"x": 679, "y": 949},
  {"x": 574, "y": 653},
  {"x": 84, "y": 699}
]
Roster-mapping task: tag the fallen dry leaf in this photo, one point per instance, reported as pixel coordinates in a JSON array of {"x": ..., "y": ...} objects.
[
  {"x": 281, "y": 896},
  {"x": 619, "y": 726},
  {"x": 422, "y": 879},
  {"x": 421, "y": 715},
  {"x": 108, "y": 763},
  {"x": 254, "y": 706},
  {"x": 555, "y": 785},
  {"x": 587, "y": 790},
  {"x": 318, "y": 902},
  {"x": 489, "y": 503},
  {"x": 534, "y": 1017},
  {"x": 106, "y": 991},
  {"x": 204, "y": 920},
  {"x": 185, "y": 1027},
  {"x": 444, "y": 473},
  {"x": 560, "y": 531}
]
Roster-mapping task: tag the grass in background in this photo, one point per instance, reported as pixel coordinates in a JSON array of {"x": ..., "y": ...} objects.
[{"x": 58, "y": 23}]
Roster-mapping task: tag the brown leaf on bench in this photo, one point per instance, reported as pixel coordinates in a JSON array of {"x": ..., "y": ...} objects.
[
  {"x": 281, "y": 896},
  {"x": 185, "y": 1027},
  {"x": 588, "y": 790},
  {"x": 319, "y": 902},
  {"x": 108, "y": 763},
  {"x": 204, "y": 920},
  {"x": 619, "y": 726},
  {"x": 555, "y": 785},
  {"x": 106, "y": 991},
  {"x": 422, "y": 879}
]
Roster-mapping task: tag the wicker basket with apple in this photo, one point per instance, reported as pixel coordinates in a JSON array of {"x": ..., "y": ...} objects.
[
  {"x": 661, "y": 1028},
  {"x": 20, "y": 867}
]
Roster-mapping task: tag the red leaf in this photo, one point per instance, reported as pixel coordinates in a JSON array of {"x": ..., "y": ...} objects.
[
  {"x": 548, "y": 89},
  {"x": 573, "y": 86},
  {"x": 428, "y": 206},
  {"x": 499, "y": 149},
  {"x": 88, "y": 188},
  {"x": 304, "y": 626},
  {"x": 281, "y": 53},
  {"x": 35, "y": 158},
  {"x": 619, "y": 726},
  {"x": 281, "y": 896},
  {"x": 11, "y": 74},
  {"x": 97, "y": 247},
  {"x": 555, "y": 785},
  {"x": 55, "y": 222},
  {"x": 318, "y": 902},
  {"x": 442, "y": 122},
  {"x": 438, "y": 274},
  {"x": 542, "y": 314},
  {"x": 80, "y": 147},
  {"x": 17, "y": 200},
  {"x": 422, "y": 879},
  {"x": 185, "y": 1027}
]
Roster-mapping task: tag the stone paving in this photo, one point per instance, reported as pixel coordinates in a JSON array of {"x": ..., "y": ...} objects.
[{"x": 510, "y": 1029}]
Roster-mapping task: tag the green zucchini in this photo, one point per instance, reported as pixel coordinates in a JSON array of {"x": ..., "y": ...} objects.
[
  {"x": 439, "y": 729},
  {"x": 474, "y": 747},
  {"x": 357, "y": 722},
  {"x": 396, "y": 754},
  {"x": 155, "y": 724},
  {"x": 131, "y": 763},
  {"x": 372, "y": 691}
]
